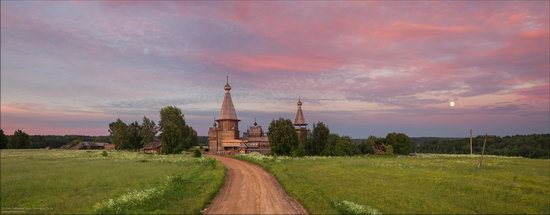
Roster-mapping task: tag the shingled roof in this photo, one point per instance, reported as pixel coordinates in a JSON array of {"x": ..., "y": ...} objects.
[
  {"x": 299, "y": 120},
  {"x": 228, "y": 110}
]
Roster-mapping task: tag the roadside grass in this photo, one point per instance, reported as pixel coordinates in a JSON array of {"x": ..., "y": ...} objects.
[
  {"x": 421, "y": 184},
  {"x": 75, "y": 182}
]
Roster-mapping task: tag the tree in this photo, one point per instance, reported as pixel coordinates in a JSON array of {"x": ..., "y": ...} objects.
[
  {"x": 400, "y": 142},
  {"x": 119, "y": 134},
  {"x": 345, "y": 147},
  {"x": 282, "y": 136},
  {"x": 19, "y": 140},
  {"x": 3, "y": 140},
  {"x": 340, "y": 146},
  {"x": 389, "y": 150},
  {"x": 330, "y": 146},
  {"x": 367, "y": 146},
  {"x": 191, "y": 138},
  {"x": 148, "y": 131},
  {"x": 318, "y": 140},
  {"x": 299, "y": 150},
  {"x": 175, "y": 135},
  {"x": 134, "y": 136}
]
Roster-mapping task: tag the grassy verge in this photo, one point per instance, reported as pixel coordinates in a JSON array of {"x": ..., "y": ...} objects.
[
  {"x": 66, "y": 181},
  {"x": 422, "y": 184}
]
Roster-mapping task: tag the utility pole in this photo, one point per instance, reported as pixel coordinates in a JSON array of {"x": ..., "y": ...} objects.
[
  {"x": 482, "y": 152},
  {"x": 471, "y": 148}
]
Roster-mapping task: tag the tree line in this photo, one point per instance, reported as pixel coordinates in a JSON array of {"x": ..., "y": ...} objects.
[
  {"x": 175, "y": 135},
  {"x": 320, "y": 141},
  {"x": 284, "y": 141},
  {"x": 21, "y": 140},
  {"x": 529, "y": 146}
]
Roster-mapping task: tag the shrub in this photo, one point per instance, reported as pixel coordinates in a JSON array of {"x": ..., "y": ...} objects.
[
  {"x": 347, "y": 207},
  {"x": 104, "y": 154},
  {"x": 197, "y": 153},
  {"x": 389, "y": 150},
  {"x": 298, "y": 151},
  {"x": 125, "y": 203},
  {"x": 367, "y": 146}
]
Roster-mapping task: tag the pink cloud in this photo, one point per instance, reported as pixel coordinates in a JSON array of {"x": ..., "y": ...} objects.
[
  {"x": 539, "y": 94},
  {"x": 281, "y": 62},
  {"x": 515, "y": 18},
  {"x": 535, "y": 34},
  {"x": 403, "y": 29}
]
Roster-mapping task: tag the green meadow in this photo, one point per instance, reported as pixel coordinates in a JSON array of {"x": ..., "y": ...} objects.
[
  {"x": 421, "y": 184},
  {"x": 68, "y": 181}
]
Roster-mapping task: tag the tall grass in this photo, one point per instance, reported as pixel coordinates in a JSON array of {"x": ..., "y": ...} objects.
[
  {"x": 423, "y": 184},
  {"x": 64, "y": 181}
]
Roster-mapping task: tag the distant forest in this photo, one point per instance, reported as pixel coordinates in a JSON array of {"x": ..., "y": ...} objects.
[
  {"x": 529, "y": 146},
  {"x": 56, "y": 141}
]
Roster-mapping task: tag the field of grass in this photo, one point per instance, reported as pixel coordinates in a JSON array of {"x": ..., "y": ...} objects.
[
  {"x": 67, "y": 181},
  {"x": 422, "y": 184}
]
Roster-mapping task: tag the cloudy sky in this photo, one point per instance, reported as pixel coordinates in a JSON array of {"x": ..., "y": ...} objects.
[{"x": 364, "y": 68}]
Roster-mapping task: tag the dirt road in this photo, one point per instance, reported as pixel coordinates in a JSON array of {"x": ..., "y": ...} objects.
[{"x": 248, "y": 189}]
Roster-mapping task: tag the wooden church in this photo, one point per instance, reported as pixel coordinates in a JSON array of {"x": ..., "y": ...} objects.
[{"x": 224, "y": 136}]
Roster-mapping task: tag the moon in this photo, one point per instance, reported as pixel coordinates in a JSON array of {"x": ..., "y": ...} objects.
[{"x": 452, "y": 103}]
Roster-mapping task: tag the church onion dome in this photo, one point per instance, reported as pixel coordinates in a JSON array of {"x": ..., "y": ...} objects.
[{"x": 227, "y": 87}]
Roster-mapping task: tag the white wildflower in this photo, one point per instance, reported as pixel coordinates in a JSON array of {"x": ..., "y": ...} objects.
[{"x": 348, "y": 207}]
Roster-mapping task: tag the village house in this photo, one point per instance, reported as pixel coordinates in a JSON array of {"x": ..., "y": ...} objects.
[{"x": 224, "y": 136}]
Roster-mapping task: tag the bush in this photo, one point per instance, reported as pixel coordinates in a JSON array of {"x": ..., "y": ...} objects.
[
  {"x": 389, "y": 150},
  {"x": 128, "y": 201},
  {"x": 104, "y": 154},
  {"x": 197, "y": 153},
  {"x": 367, "y": 146},
  {"x": 347, "y": 207},
  {"x": 298, "y": 151}
]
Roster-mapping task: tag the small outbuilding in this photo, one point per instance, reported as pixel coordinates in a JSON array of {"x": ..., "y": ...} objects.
[
  {"x": 152, "y": 148},
  {"x": 109, "y": 146},
  {"x": 89, "y": 145}
]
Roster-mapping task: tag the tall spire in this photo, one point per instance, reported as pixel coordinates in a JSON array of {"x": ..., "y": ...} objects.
[
  {"x": 228, "y": 110},
  {"x": 299, "y": 120},
  {"x": 227, "y": 87}
]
